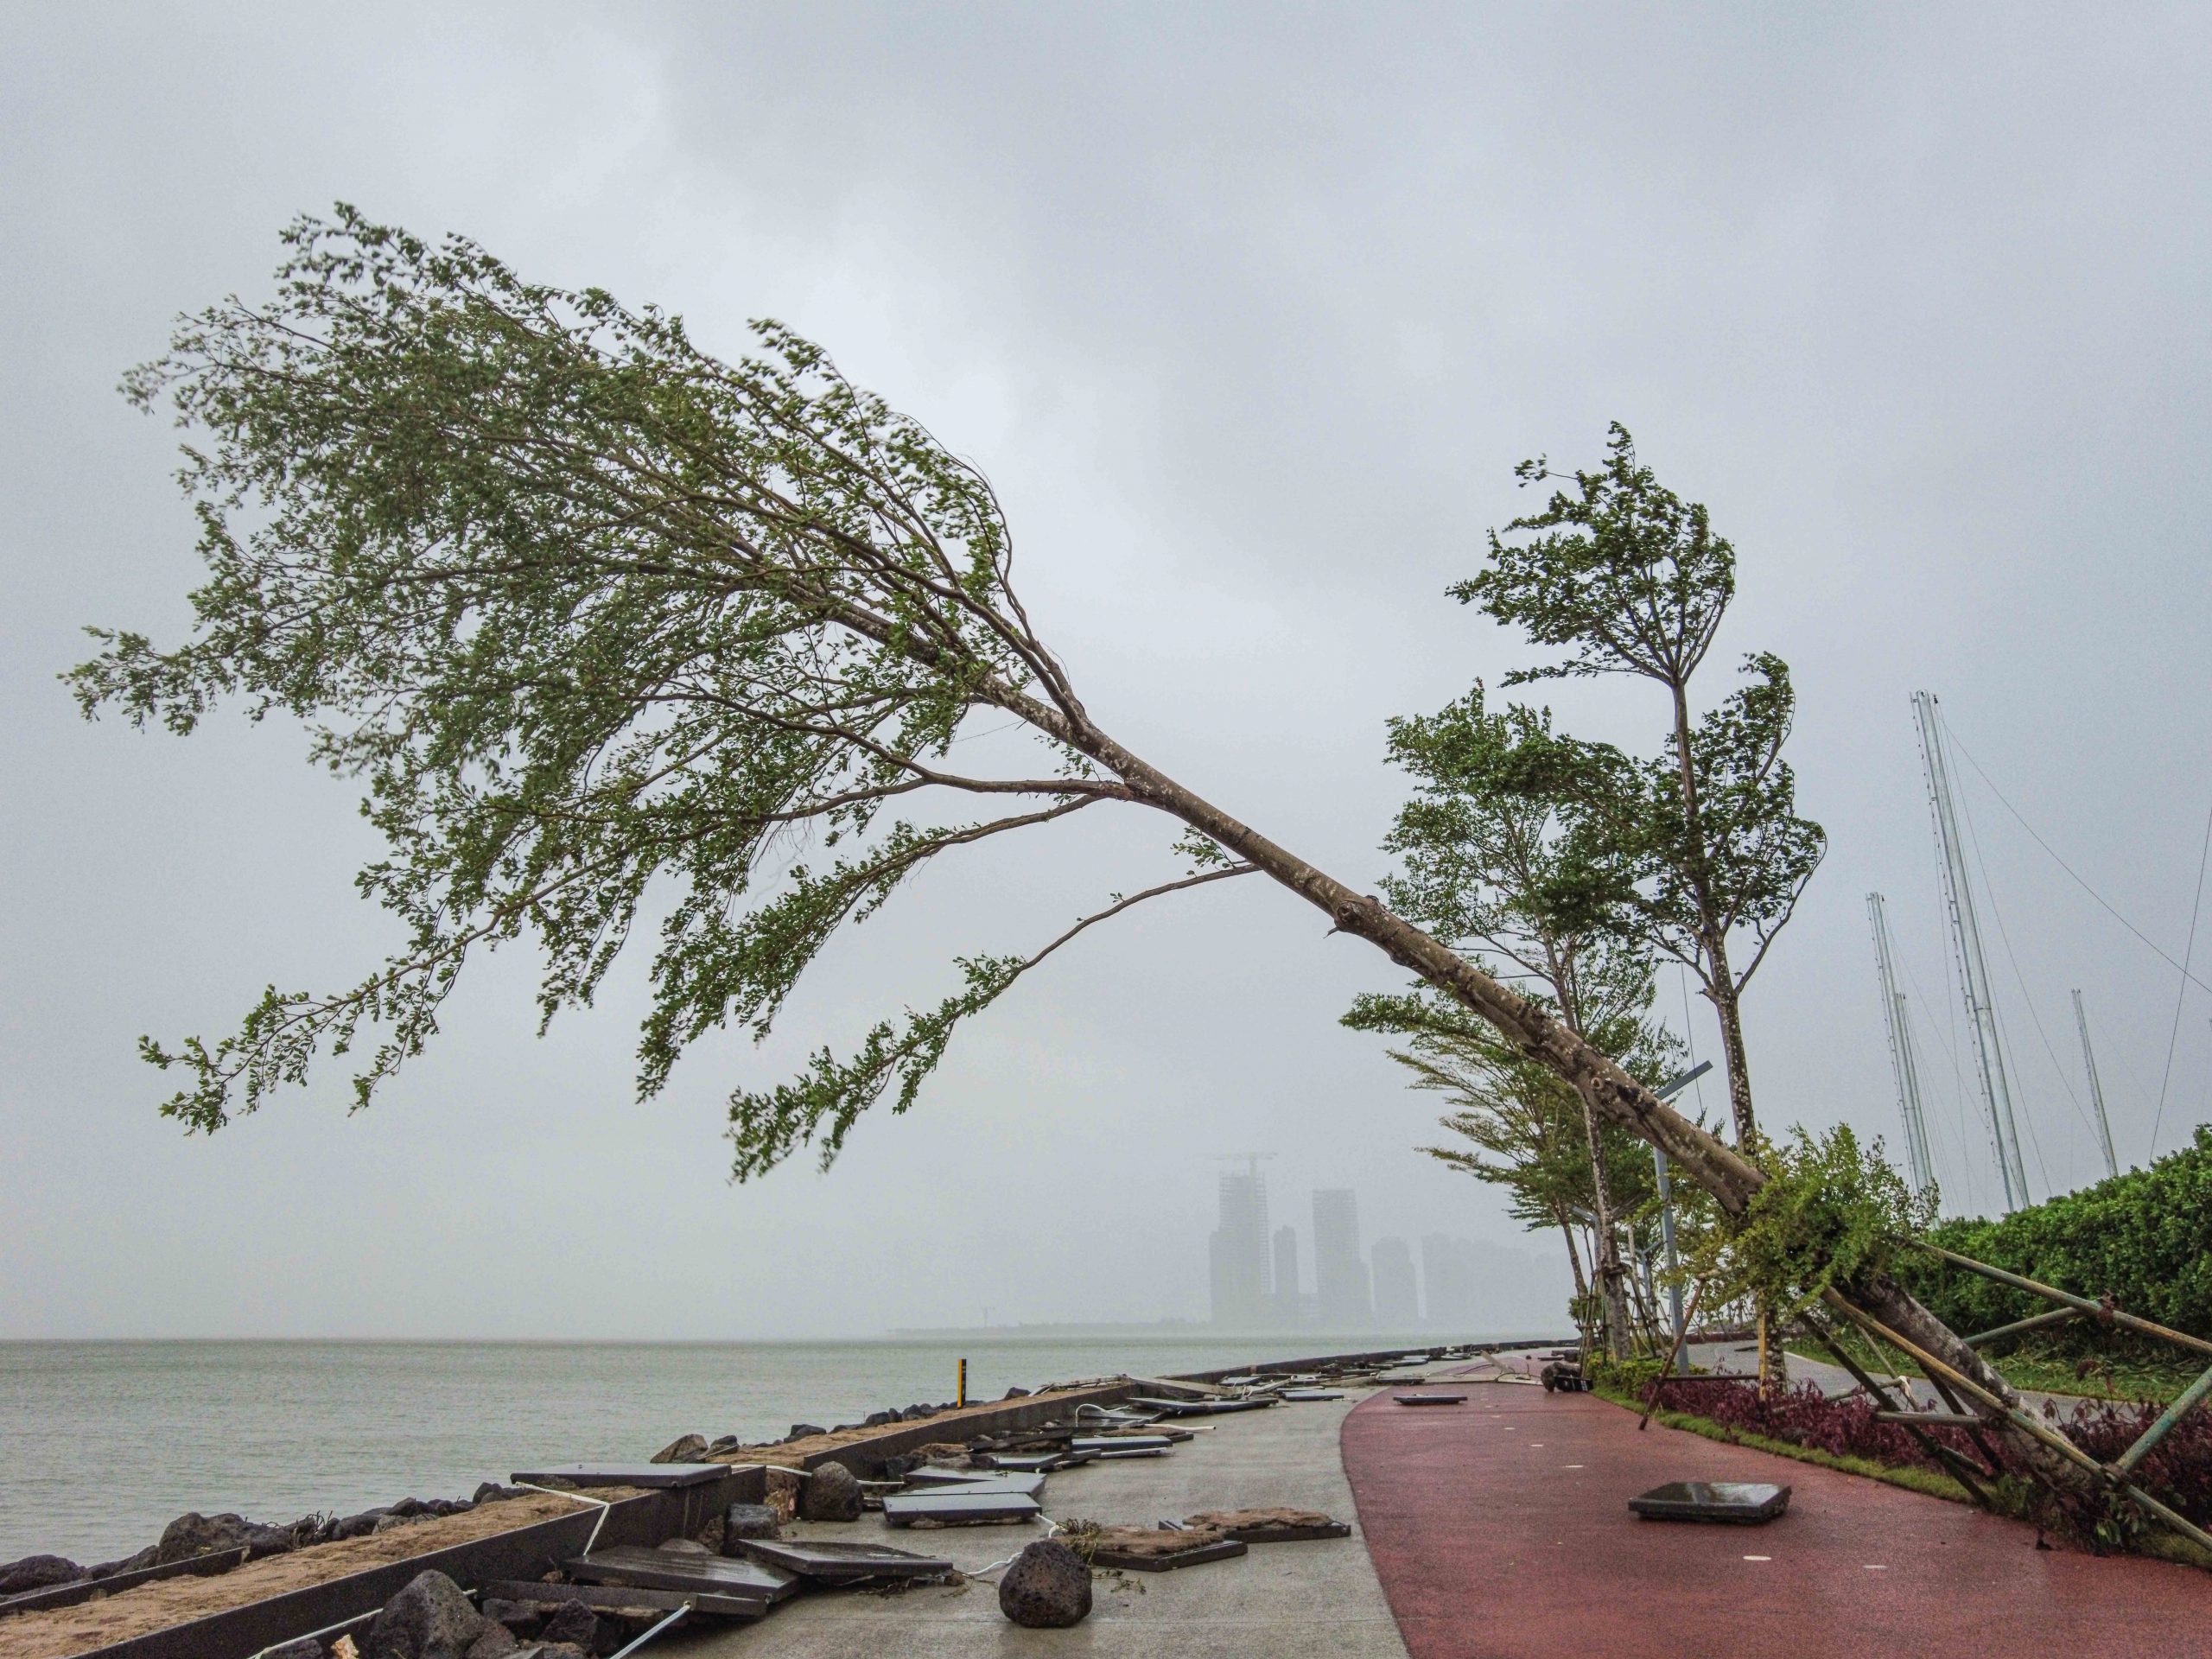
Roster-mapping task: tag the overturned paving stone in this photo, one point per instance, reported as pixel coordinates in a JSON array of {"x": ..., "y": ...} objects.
[
  {"x": 1046, "y": 1587},
  {"x": 1271, "y": 1526},
  {"x": 829, "y": 1561},
  {"x": 832, "y": 1493},
  {"x": 1152, "y": 1549},
  {"x": 1739, "y": 1503}
]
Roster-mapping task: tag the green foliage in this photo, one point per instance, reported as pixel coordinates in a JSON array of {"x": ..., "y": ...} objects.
[
  {"x": 585, "y": 609},
  {"x": 1681, "y": 852},
  {"x": 2144, "y": 1238},
  {"x": 1827, "y": 1212},
  {"x": 1621, "y": 572}
]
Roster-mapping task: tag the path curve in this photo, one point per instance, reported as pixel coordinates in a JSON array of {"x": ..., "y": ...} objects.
[{"x": 1500, "y": 1530}]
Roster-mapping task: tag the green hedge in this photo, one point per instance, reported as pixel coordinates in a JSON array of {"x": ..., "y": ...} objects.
[{"x": 2145, "y": 1237}]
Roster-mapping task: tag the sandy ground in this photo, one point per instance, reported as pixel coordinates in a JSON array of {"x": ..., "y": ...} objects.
[{"x": 63, "y": 1630}]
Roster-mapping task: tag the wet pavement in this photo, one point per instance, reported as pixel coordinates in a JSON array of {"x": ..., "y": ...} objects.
[{"x": 1500, "y": 1529}]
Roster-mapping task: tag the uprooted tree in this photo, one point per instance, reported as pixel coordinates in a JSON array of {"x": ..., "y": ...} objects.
[{"x": 586, "y": 609}]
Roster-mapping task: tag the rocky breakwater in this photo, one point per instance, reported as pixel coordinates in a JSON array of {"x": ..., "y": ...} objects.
[{"x": 219, "y": 1542}]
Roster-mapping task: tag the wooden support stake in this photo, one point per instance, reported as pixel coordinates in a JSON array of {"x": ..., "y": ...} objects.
[
  {"x": 2021, "y": 1419},
  {"x": 1674, "y": 1354}
]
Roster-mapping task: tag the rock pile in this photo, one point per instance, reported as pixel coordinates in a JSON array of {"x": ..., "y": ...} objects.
[{"x": 193, "y": 1535}]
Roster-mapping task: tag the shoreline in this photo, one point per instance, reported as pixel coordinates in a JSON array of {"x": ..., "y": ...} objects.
[{"x": 867, "y": 1443}]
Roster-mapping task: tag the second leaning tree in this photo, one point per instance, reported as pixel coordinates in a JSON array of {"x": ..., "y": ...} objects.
[{"x": 589, "y": 612}]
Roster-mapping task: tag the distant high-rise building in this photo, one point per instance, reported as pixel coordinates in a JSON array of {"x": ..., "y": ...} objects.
[
  {"x": 1239, "y": 1252},
  {"x": 1397, "y": 1299},
  {"x": 1449, "y": 1280},
  {"x": 1339, "y": 1276},
  {"x": 1289, "y": 1304}
]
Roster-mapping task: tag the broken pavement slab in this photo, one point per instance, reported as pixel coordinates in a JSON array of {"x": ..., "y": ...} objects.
[
  {"x": 1270, "y": 1525},
  {"x": 829, "y": 1561},
  {"x": 1430, "y": 1399},
  {"x": 1153, "y": 1549},
  {"x": 950, "y": 1507},
  {"x": 1737, "y": 1503},
  {"x": 731, "y": 1578}
]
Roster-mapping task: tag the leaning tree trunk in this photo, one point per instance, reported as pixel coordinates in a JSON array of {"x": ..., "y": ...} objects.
[{"x": 1534, "y": 1030}]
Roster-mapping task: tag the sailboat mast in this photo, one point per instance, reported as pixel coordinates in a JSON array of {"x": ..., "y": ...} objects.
[
  {"x": 2096, "y": 1088},
  {"x": 1973, "y": 966},
  {"x": 1901, "y": 1060}
]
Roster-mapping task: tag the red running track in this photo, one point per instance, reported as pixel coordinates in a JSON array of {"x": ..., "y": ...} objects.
[{"x": 1501, "y": 1530}]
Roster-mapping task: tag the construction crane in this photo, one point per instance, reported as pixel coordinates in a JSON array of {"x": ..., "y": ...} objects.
[
  {"x": 1973, "y": 968},
  {"x": 1903, "y": 1065}
]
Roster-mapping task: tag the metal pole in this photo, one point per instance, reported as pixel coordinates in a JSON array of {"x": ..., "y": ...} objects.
[
  {"x": 1901, "y": 1061},
  {"x": 2096, "y": 1089},
  {"x": 1666, "y": 1091},
  {"x": 1973, "y": 966}
]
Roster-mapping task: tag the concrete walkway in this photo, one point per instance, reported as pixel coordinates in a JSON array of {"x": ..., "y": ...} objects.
[
  {"x": 1279, "y": 1601},
  {"x": 1501, "y": 1530}
]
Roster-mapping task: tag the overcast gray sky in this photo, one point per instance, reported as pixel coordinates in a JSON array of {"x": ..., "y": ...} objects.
[{"x": 1248, "y": 313}]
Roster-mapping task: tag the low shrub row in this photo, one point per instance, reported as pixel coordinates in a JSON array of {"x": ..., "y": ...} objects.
[
  {"x": 2178, "y": 1472},
  {"x": 2144, "y": 1238}
]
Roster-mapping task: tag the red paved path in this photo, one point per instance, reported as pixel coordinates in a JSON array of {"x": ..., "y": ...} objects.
[{"x": 1491, "y": 1543}]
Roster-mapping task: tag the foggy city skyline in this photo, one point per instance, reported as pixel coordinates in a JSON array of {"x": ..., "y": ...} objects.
[
  {"x": 1255, "y": 1282},
  {"x": 1248, "y": 328}
]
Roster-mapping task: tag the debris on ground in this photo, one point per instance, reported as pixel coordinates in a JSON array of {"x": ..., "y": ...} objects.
[
  {"x": 832, "y": 1493},
  {"x": 1738, "y": 1503},
  {"x": 1270, "y": 1526},
  {"x": 1149, "y": 1549},
  {"x": 1046, "y": 1587}
]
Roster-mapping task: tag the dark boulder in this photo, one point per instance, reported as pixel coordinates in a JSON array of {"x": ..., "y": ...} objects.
[
  {"x": 357, "y": 1526},
  {"x": 724, "y": 1443},
  {"x": 429, "y": 1620},
  {"x": 746, "y": 1521},
  {"x": 38, "y": 1572},
  {"x": 878, "y": 1419},
  {"x": 1046, "y": 1587},
  {"x": 129, "y": 1563},
  {"x": 685, "y": 1448},
  {"x": 521, "y": 1617},
  {"x": 573, "y": 1622},
  {"x": 194, "y": 1534},
  {"x": 498, "y": 1642},
  {"x": 1017, "y": 1394},
  {"x": 832, "y": 1493},
  {"x": 491, "y": 1489},
  {"x": 805, "y": 1431}
]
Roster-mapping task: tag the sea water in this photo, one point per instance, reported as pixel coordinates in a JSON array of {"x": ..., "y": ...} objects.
[{"x": 103, "y": 1443}]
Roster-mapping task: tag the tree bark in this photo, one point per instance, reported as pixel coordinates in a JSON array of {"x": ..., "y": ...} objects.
[
  {"x": 1611, "y": 1092},
  {"x": 1606, "y": 1243}
]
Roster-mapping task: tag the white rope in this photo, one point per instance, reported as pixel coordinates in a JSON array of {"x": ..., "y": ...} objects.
[
  {"x": 655, "y": 1630},
  {"x": 605, "y": 1504}
]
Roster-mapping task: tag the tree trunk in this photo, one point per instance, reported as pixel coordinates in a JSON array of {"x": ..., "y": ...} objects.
[
  {"x": 1721, "y": 991},
  {"x": 1612, "y": 1092},
  {"x": 1606, "y": 1243},
  {"x": 1574, "y": 1254}
]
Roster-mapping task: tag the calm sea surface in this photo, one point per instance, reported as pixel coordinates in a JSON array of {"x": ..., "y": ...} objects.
[{"x": 103, "y": 1443}]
